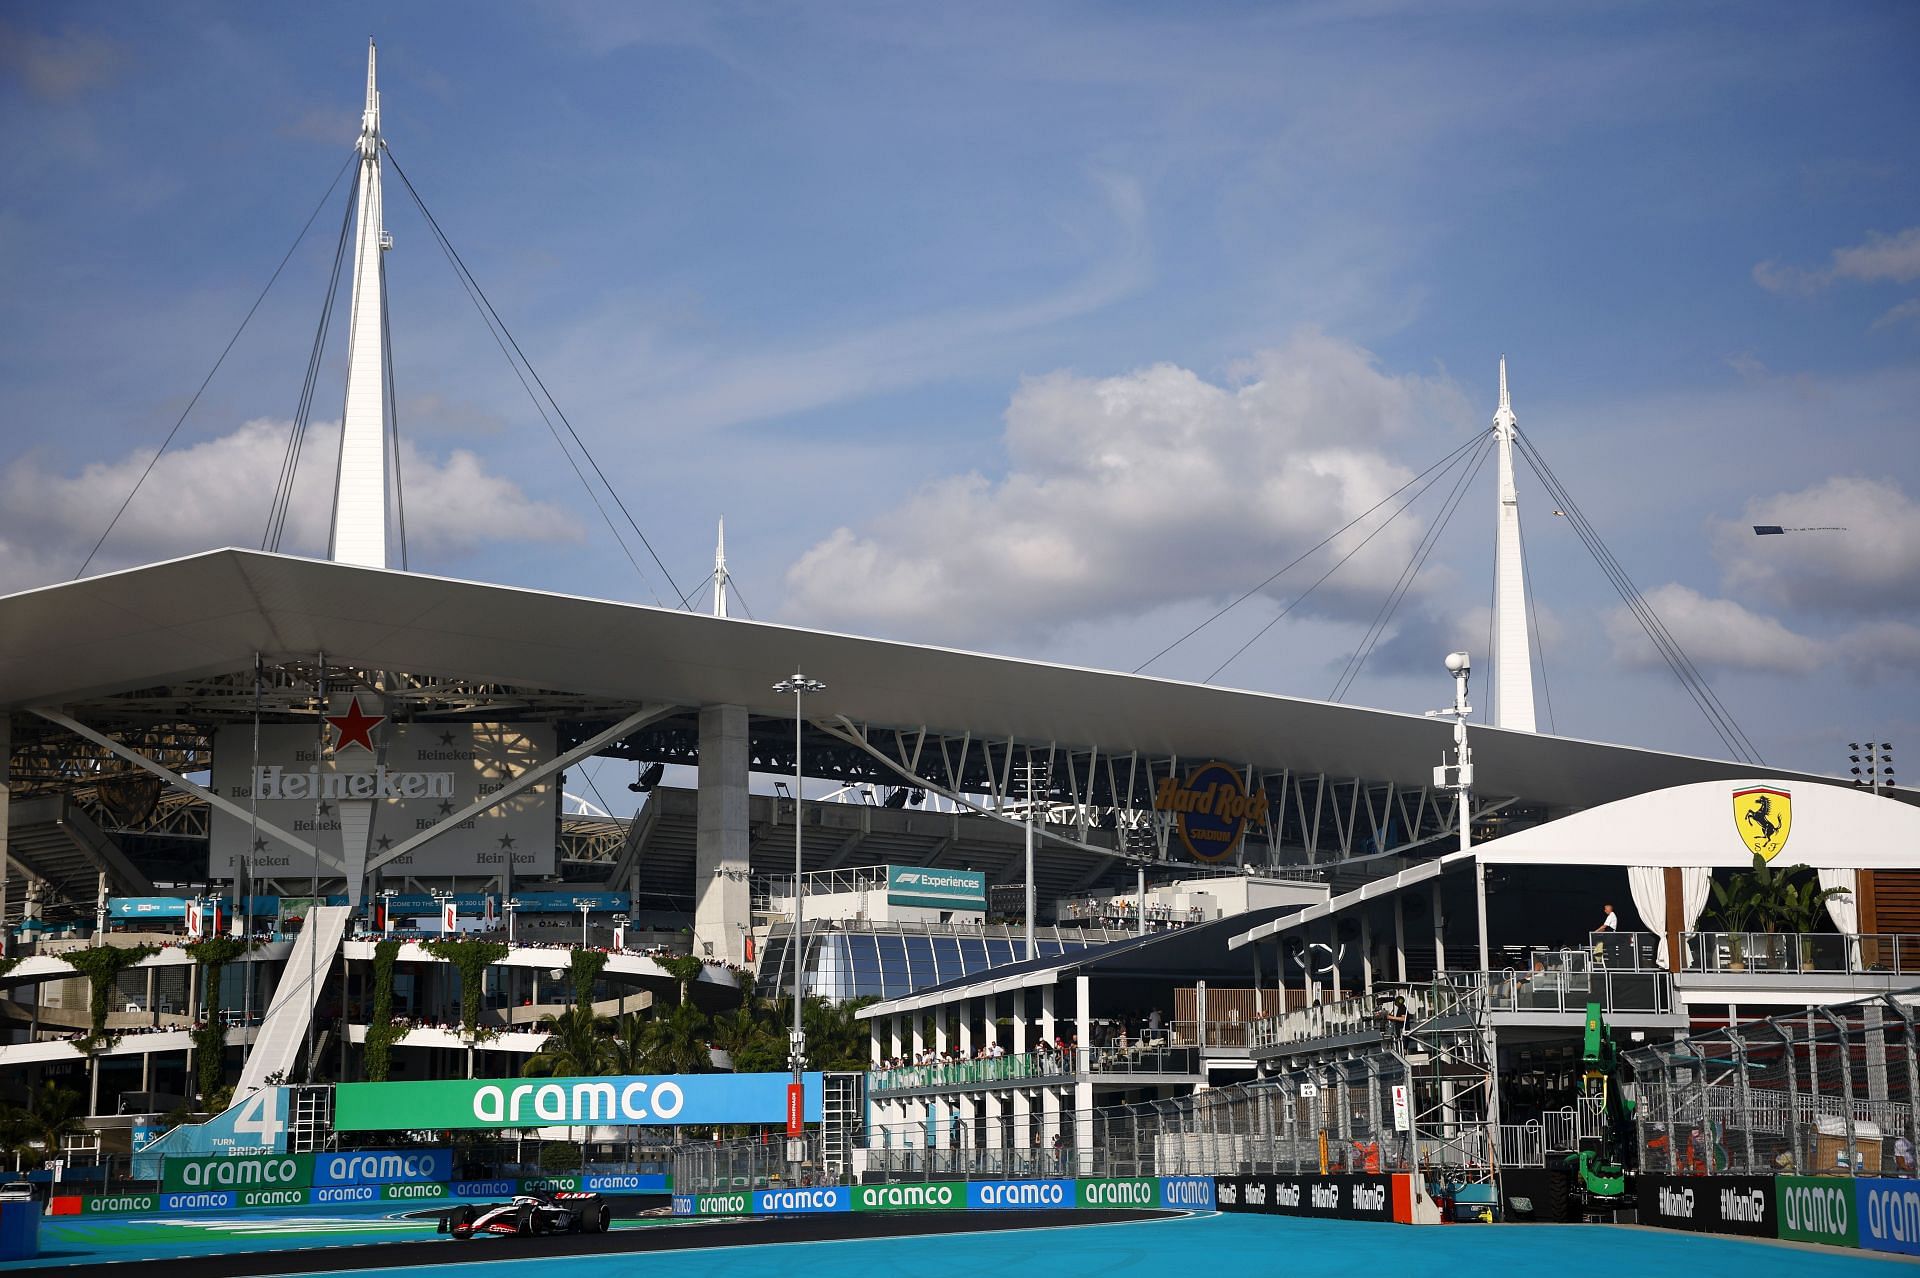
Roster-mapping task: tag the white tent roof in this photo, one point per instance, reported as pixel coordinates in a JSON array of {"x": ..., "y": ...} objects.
[{"x": 207, "y": 614}]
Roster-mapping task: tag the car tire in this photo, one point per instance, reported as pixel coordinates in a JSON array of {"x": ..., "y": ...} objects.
[
  {"x": 528, "y": 1223},
  {"x": 602, "y": 1219}
]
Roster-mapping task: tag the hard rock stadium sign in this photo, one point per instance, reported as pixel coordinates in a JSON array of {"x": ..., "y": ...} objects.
[{"x": 1212, "y": 810}]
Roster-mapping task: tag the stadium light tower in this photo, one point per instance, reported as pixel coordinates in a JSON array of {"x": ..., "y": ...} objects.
[{"x": 1459, "y": 777}]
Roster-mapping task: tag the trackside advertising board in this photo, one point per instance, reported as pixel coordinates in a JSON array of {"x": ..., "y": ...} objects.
[
  {"x": 365, "y": 1176},
  {"x": 1888, "y": 1213},
  {"x": 1194, "y": 1193},
  {"x": 624, "y": 1101},
  {"x": 1741, "y": 1205},
  {"x": 1385, "y": 1198},
  {"x": 1817, "y": 1209}
]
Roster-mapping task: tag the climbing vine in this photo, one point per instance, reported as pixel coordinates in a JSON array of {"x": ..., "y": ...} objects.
[
  {"x": 471, "y": 959},
  {"x": 210, "y": 1036},
  {"x": 381, "y": 1031},
  {"x": 100, "y": 966},
  {"x": 684, "y": 968},
  {"x": 586, "y": 968}
]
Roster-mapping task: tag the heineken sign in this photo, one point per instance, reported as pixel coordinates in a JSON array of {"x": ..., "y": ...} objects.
[
  {"x": 936, "y": 889},
  {"x": 624, "y": 1101}
]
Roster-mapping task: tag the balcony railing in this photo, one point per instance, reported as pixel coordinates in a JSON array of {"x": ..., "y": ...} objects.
[
  {"x": 1877, "y": 954},
  {"x": 997, "y": 1069},
  {"x": 1571, "y": 989}
]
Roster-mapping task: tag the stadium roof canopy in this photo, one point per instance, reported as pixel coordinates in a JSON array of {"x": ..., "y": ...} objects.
[{"x": 154, "y": 629}]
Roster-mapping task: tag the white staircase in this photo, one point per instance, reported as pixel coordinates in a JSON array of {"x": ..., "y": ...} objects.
[{"x": 277, "y": 1047}]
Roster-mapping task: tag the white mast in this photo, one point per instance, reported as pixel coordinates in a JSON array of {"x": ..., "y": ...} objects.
[
  {"x": 720, "y": 577},
  {"x": 360, "y": 489},
  {"x": 1512, "y": 652}
]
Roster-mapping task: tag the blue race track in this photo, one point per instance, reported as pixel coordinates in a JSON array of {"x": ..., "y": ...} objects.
[{"x": 1226, "y": 1243}]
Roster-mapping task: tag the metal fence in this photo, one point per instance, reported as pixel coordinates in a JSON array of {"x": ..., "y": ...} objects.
[
  {"x": 1339, "y": 1115},
  {"x": 1829, "y": 1090}
]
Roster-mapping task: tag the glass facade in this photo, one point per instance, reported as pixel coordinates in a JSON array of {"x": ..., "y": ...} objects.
[{"x": 844, "y": 965}]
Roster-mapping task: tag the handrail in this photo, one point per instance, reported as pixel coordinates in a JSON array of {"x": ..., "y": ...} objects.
[
  {"x": 1870, "y": 953},
  {"x": 994, "y": 1069}
]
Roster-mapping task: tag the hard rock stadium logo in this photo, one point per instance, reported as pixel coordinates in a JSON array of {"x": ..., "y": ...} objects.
[
  {"x": 1764, "y": 817},
  {"x": 1211, "y": 810}
]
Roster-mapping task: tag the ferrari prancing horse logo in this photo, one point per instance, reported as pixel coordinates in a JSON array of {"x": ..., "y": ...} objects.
[{"x": 1764, "y": 817}]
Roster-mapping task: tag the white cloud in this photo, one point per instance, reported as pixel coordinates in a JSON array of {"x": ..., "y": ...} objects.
[
  {"x": 59, "y": 66},
  {"x": 1880, "y": 257},
  {"x": 1714, "y": 633},
  {"x": 216, "y": 493},
  {"x": 1127, "y": 492},
  {"x": 1870, "y": 568},
  {"x": 1907, "y": 310}
]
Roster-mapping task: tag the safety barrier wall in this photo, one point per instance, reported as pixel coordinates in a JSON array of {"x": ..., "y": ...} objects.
[
  {"x": 1189, "y": 1192},
  {"x": 1875, "y": 1213},
  {"x": 1378, "y": 1198},
  {"x": 220, "y": 1183}
]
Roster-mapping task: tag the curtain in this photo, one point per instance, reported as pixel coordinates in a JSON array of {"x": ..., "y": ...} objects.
[
  {"x": 1648, "y": 886},
  {"x": 1843, "y": 910}
]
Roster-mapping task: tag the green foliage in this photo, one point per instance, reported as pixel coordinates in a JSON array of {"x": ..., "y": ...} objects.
[
  {"x": 210, "y": 1055},
  {"x": 100, "y": 965},
  {"x": 577, "y": 1046},
  {"x": 555, "y": 1157},
  {"x": 381, "y": 1031},
  {"x": 676, "y": 1042},
  {"x": 8, "y": 963},
  {"x": 471, "y": 959},
  {"x": 753, "y": 1035},
  {"x": 685, "y": 969},
  {"x": 33, "y": 1134},
  {"x": 836, "y": 1039},
  {"x": 586, "y": 967},
  {"x": 1769, "y": 899}
]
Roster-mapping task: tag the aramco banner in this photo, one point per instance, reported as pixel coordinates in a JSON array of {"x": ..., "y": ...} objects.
[
  {"x": 936, "y": 889},
  {"x": 1211, "y": 809},
  {"x": 624, "y": 1101}
]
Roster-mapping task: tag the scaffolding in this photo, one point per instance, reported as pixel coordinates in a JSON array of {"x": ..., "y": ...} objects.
[{"x": 1829, "y": 1090}]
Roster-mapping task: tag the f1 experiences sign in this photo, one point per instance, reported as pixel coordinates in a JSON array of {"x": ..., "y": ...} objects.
[
  {"x": 417, "y": 774},
  {"x": 625, "y": 1101}
]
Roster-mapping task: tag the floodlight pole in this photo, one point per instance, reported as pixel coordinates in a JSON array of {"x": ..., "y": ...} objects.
[
  {"x": 799, "y": 685},
  {"x": 1460, "y": 666}
]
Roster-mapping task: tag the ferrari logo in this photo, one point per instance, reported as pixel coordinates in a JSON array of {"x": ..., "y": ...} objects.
[{"x": 1764, "y": 817}]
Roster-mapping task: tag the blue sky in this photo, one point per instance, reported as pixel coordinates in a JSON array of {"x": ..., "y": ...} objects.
[{"x": 1036, "y": 329}]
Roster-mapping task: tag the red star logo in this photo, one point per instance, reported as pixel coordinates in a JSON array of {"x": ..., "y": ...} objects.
[{"x": 355, "y": 727}]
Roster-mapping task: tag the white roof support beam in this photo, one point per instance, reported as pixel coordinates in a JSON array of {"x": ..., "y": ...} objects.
[
  {"x": 227, "y": 806},
  {"x": 532, "y": 776}
]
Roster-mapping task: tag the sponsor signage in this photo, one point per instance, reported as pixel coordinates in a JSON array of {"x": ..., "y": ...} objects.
[
  {"x": 1888, "y": 1214},
  {"x": 147, "y": 907},
  {"x": 622, "y": 1101},
  {"x": 626, "y": 1183},
  {"x": 273, "y": 1197},
  {"x": 1187, "y": 1191},
  {"x": 1118, "y": 1193},
  {"x": 414, "y": 775},
  {"x": 1330, "y": 1197},
  {"x": 1003, "y": 1195},
  {"x": 722, "y": 1204},
  {"x": 1809, "y": 1209},
  {"x": 205, "y": 1200},
  {"x": 93, "y": 1204},
  {"x": 936, "y": 889},
  {"x": 382, "y": 1166},
  {"x": 1710, "y": 1204},
  {"x": 1763, "y": 817},
  {"x": 1211, "y": 810},
  {"x": 802, "y": 1201},
  {"x": 288, "y": 1171},
  {"x": 933, "y": 1195},
  {"x": 483, "y": 1188}
]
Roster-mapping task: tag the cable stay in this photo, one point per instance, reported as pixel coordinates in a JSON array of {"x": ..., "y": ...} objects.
[
  {"x": 1683, "y": 667},
  {"x": 524, "y": 370},
  {"x": 208, "y": 379},
  {"x": 1415, "y": 562},
  {"x": 1302, "y": 558},
  {"x": 1437, "y": 470},
  {"x": 282, "y": 502}
]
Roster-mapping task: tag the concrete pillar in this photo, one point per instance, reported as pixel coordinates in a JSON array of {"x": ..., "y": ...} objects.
[
  {"x": 722, "y": 904},
  {"x": 1366, "y": 953},
  {"x": 966, "y": 1028},
  {"x": 1023, "y": 1128},
  {"x": 1399, "y": 938},
  {"x": 1019, "y": 1022},
  {"x": 941, "y": 1015},
  {"x": 917, "y": 1021},
  {"x": 1047, "y": 1030},
  {"x": 1439, "y": 932},
  {"x": 877, "y": 1052}
]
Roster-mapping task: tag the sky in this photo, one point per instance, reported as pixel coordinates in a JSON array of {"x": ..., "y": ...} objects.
[{"x": 1039, "y": 330}]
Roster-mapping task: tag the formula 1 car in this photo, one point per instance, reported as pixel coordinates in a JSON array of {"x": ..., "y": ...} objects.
[{"x": 531, "y": 1215}]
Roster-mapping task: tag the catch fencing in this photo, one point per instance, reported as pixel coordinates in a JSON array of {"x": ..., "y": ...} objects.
[
  {"x": 1829, "y": 1090},
  {"x": 1334, "y": 1117}
]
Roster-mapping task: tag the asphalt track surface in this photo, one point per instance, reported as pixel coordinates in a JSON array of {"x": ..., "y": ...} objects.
[{"x": 304, "y": 1254}]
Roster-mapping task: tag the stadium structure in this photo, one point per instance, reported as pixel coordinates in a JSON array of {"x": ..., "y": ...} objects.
[{"x": 1181, "y": 885}]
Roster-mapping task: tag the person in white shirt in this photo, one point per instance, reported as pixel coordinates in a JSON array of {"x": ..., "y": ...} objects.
[{"x": 1611, "y": 923}]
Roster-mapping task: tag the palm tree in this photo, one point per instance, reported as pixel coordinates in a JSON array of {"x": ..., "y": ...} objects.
[
  {"x": 576, "y": 1046},
  {"x": 750, "y": 1035},
  {"x": 55, "y": 1113},
  {"x": 676, "y": 1042},
  {"x": 836, "y": 1039},
  {"x": 628, "y": 1046}
]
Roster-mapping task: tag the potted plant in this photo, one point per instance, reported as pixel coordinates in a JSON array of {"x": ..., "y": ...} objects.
[{"x": 1733, "y": 912}]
